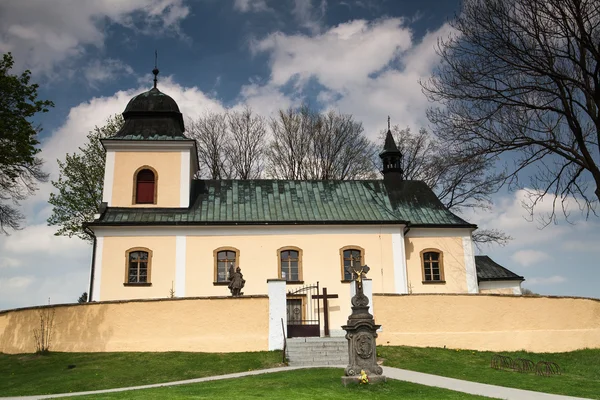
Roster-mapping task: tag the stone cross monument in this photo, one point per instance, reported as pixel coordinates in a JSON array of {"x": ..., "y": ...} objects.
[{"x": 361, "y": 332}]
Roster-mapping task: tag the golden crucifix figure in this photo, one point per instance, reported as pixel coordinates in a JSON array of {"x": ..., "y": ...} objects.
[{"x": 359, "y": 274}]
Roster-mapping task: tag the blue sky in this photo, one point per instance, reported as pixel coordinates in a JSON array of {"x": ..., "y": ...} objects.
[{"x": 359, "y": 57}]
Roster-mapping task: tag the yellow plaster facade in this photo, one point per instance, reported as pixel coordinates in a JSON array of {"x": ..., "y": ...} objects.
[
  {"x": 488, "y": 322},
  {"x": 168, "y": 168},
  {"x": 199, "y": 325},
  {"x": 453, "y": 264},
  {"x": 497, "y": 291},
  {"x": 258, "y": 258},
  {"x": 478, "y": 322},
  {"x": 114, "y": 267},
  {"x": 320, "y": 261}
]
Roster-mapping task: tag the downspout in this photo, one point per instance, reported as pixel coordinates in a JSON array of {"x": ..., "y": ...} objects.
[{"x": 92, "y": 269}]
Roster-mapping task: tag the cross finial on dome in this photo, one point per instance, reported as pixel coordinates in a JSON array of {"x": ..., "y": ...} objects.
[{"x": 155, "y": 71}]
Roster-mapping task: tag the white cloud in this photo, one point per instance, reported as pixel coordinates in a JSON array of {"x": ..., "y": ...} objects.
[
  {"x": 7, "y": 262},
  {"x": 368, "y": 69},
  {"x": 17, "y": 282},
  {"x": 529, "y": 257},
  {"x": 340, "y": 56},
  {"x": 250, "y": 6},
  {"x": 42, "y": 34},
  {"x": 41, "y": 239},
  {"x": 509, "y": 215},
  {"x": 585, "y": 245},
  {"x": 99, "y": 71},
  {"x": 551, "y": 280},
  {"x": 308, "y": 15}
]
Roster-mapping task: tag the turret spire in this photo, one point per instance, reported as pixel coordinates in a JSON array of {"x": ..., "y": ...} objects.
[
  {"x": 390, "y": 156},
  {"x": 155, "y": 71}
]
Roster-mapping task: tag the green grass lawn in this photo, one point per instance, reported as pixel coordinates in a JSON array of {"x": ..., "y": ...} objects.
[
  {"x": 298, "y": 385},
  {"x": 580, "y": 369},
  {"x": 27, "y": 374}
]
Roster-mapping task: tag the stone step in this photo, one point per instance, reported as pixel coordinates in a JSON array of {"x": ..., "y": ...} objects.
[
  {"x": 329, "y": 348},
  {"x": 312, "y": 363},
  {"x": 317, "y": 351}
]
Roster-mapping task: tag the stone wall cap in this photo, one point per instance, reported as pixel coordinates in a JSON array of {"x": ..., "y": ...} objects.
[
  {"x": 486, "y": 294},
  {"x": 253, "y": 296}
]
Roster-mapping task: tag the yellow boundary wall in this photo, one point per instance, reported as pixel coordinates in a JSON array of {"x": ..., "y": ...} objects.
[
  {"x": 488, "y": 322},
  {"x": 226, "y": 324},
  {"x": 213, "y": 324}
]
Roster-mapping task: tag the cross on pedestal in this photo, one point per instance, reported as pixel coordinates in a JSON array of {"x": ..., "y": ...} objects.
[{"x": 325, "y": 296}]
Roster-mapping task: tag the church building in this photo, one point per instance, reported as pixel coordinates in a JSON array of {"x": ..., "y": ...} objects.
[{"x": 162, "y": 233}]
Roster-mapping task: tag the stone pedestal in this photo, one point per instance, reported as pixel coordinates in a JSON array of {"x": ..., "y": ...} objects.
[{"x": 361, "y": 332}]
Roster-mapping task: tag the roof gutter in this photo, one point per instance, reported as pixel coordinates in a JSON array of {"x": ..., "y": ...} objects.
[{"x": 514, "y": 278}]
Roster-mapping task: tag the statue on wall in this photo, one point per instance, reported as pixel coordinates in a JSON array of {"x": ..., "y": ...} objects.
[{"x": 236, "y": 281}]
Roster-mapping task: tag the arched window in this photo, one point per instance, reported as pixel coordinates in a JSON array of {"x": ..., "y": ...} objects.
[
  {"x": 352, "y": 257},
  {"x": 224, "y": 258},
  {"x": 139, "y": 262},
  {"x": 433, "y": 266},
  {"x": 145, "y": 186},
  {"x": 290, "y": 264}
]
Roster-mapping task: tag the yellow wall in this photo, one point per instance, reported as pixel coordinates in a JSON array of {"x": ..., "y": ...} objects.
[
  {"x": 453, "y": 260},
  {"x": 114, "y": 264},
  {"x": 488, "y": 322},
  {"x": 167, "y": 166},
  {"x": 199, "y": 325},
  {"x": 321, "y": 262},
  {"x": 496, "y": 291},
  {"x": 479, "y": 322}
]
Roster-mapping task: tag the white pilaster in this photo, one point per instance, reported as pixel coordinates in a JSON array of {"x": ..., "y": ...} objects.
[
  {"x": 95, "y": 295},
  {"x": 109, "y": 176},
  {"x": 185, "y": 180},
  {"x": 472, "y": 286},
  {"x": 180, "y": 252},
  {"x": 399, "y": 260},
  {"x": 367, "y": 290},
  {"x": 277, "y": 313}
]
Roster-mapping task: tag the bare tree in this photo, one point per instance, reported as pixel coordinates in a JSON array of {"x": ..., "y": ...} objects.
[
  {"x": 521, "y": 78},
  {"x": 309, "y": 145},
  {"x": 289, "y": 146},
  {"x": 247, "y": 143},
  {"x": 459, "y": 182},
  {"x": 339, "y": 149},
  {"x": 212, "y": 136}
]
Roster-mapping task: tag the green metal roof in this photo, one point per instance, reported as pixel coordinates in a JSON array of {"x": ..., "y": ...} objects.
[{"x": 248, "y": 202}]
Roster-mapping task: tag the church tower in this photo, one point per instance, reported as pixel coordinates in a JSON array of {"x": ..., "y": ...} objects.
[
  {"x": 150, "y": 162},
  {"x": 391, "y": 157}
]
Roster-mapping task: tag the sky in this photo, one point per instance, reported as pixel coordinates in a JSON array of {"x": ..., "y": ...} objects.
[{"x": 357, "y": 57}]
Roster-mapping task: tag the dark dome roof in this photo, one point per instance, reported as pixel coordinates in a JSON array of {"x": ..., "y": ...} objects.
[
  {"x": 153, "y": 100},
  {"x": 152, "y": 115}
]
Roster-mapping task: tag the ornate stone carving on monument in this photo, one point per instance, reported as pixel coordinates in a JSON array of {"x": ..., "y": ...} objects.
[
  {"x": 236, "y": 281},
  {"x": 361, "y": 333}
]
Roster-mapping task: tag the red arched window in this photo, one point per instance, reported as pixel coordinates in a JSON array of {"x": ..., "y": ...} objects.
[{"x": 145, "y": 187}]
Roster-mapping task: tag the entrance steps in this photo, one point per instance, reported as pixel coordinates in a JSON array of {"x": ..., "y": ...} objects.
[{"x": 310, "y": 351}]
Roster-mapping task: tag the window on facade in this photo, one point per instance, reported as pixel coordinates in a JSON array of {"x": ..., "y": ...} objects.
[
  {"x": 351, "y": 258},
  {"x": 224, "y": 259},
  {"x": 433, "y": 270},
  {"x": 138, "y": 266},
  {"x": 290, "y": 264},
  {"x": 145, "y": 187}
]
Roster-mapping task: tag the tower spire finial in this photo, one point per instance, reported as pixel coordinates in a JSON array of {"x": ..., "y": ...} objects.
[
  {"x": 389, "y": 123},
  {"x": 155, "y": 71}
]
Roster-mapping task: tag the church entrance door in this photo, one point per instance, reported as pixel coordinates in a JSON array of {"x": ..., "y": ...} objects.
[{"x": 303, "y": 312}]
